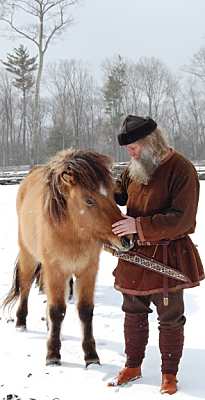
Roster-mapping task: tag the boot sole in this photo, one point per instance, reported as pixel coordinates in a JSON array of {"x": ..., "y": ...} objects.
[{"x": 114, "y": 383}]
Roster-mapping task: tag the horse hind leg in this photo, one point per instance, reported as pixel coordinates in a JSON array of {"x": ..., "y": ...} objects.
[
  {"x": 85, "y": 285},
  {"x": 25, "y": 271}
]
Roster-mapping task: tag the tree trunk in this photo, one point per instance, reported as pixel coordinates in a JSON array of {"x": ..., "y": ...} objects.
[
  {"x": 36, "y": 125},
  {"x": 24, "y": 123}
]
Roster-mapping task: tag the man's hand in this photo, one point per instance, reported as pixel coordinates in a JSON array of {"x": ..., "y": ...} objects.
[{"x": 125, "y": 226}]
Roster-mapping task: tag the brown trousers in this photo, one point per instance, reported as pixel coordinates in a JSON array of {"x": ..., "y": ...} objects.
[{"x": 171, "y": 328}]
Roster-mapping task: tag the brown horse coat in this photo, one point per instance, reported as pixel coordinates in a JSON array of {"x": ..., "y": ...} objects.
[{"x": 65, "y": 212}]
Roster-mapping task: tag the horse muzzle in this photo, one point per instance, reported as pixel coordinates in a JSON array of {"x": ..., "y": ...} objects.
[
  {"x": 123, "y": 244},
  {"x": 127, "y": 243}
]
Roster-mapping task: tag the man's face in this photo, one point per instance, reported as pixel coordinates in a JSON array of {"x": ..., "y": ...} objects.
[
  {"x": 135, "y": 149},
  {"x": 143, "y": 162}
]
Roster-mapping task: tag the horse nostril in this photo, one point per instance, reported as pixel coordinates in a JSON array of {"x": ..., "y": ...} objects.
[{"x": 126, "y": 242}]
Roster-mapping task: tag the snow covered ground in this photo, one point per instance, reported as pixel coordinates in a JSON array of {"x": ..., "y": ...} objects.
[{"x": 22, "y": 355}]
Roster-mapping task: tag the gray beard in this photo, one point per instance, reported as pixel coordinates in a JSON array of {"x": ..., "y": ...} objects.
[{"x": 141, "y": 170}]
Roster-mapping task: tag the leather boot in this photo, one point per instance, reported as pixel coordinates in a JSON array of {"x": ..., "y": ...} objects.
[
  {"x": 169, "y": 384},
  {"x": 136, "y": 332},
  {"x": 171, "y": 343},
  {"x": 126, "y": 375}
]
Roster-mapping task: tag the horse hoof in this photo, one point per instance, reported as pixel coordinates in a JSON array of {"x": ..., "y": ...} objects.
[
  {"x": 21, "y": 328},
  {"x": 53, "y": 361},
  {"x": 92, "y": 361}
]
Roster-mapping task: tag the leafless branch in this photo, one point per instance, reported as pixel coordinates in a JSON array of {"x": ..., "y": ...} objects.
[
  {"x": 56, "y": 29},
  {"x": 19, "y": 31}
]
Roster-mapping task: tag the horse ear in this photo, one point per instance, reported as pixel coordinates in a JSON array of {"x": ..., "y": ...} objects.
[{"x": 68, "y": 178}]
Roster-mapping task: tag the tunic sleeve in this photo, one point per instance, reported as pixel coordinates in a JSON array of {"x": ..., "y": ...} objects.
[
  {"x": 180, "y": 217},
  {"x": 120, "y": 191}
]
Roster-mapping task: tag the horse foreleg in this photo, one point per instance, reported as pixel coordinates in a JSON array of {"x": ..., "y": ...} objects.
[
  {"x": 56, "y": 308},
  {"x": 56, "y": 316},
  {"x": 25, "y": 275},
  {"x": 85, "y": 290}
]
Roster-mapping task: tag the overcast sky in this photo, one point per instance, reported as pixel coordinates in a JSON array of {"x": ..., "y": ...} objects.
[{"x": 171, "y": 30}]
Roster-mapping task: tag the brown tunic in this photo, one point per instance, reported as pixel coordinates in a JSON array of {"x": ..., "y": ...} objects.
[{"x": 164, "y": 209}]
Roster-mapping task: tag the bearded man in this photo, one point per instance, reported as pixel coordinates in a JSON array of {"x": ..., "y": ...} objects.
[{"x": 160, "y": 188}]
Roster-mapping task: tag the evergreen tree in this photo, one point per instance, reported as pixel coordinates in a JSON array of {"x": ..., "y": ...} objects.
[
  {"x": 113, "y": 91},
  {"x": 22, "y": 66}
]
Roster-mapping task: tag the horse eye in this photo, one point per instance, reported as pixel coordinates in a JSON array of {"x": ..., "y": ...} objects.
[{"x": 90, "y": 202}]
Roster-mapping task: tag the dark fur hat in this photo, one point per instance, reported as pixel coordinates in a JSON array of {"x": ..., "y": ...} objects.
[{"x": 135, "y": 128}]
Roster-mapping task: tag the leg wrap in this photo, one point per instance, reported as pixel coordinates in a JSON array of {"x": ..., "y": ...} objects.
[
  {"x": 136, "y": 337},
  {"x": 171, "y": 341}
]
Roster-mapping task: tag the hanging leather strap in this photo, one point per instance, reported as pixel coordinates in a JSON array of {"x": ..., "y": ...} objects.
[{"x": 165, "y": 279}]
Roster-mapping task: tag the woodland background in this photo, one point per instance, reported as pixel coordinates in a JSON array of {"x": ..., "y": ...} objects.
[{"x": 45, "y": 107}]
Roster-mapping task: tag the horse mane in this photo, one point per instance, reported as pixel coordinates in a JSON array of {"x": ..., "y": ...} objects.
[{"x": 88, "y": 169}]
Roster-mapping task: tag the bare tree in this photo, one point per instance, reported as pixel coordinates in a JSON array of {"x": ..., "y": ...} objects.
[
  {"x": 78, "y": 80},
  {"x": 197, "y": 66},
  {"x": 173, "y": 111},
  {"x": 195, "y": 117},
  {"x": 73, "y": 103},
  {"x": 47, "y": 19},
  {"x": 8, "y": 115},
  {"x": 132, "y": 93},
  {"x": 153, "y": 84}
]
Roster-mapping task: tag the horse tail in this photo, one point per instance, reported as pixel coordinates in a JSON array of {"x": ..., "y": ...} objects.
[
  {"x": 14, "y": 292},
  {"x": 38, "y": 277}
]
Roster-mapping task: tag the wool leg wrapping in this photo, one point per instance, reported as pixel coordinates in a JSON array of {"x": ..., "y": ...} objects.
[
  {"x": 136, "y": 333},
  {"x": 171, "y": 341}
]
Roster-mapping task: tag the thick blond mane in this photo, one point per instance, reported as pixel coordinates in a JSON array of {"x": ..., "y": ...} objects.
[{"x": 88, "y": 170}]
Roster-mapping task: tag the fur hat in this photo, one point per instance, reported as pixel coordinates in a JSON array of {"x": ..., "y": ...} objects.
[{"x": 135, "y": 128}]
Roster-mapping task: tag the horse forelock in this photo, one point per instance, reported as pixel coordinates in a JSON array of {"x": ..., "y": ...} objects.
[{"x": 89, "y": 170}]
